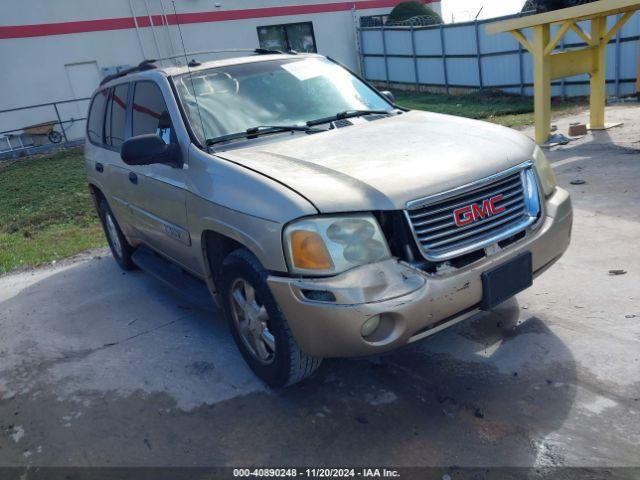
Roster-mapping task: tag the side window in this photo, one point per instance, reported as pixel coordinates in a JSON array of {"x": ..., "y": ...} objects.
[
  {"x": 95, "y": 122},
  {"x": 150, "y": 113},
  {"x": 116, "y": 115}
]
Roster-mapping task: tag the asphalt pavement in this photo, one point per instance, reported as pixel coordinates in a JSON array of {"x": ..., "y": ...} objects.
[{"x": 104, "y": 368}]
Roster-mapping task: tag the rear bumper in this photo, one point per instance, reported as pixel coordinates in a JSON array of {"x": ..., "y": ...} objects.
[{"x": 412, "y": 303}]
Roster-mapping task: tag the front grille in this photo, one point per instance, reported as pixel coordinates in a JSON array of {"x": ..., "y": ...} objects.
[{"x": 440, "y": 238}]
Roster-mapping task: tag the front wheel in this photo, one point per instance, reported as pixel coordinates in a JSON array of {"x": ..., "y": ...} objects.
[
  {"x": 258, "y": 326},
  {"x": 120, "y": 248}
]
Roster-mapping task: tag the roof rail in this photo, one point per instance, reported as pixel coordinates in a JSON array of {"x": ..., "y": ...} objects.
[
  {"x": 258, "y": 51},
  {"x": 150, "y": 64},
  {"x": 141, "y": 67}
]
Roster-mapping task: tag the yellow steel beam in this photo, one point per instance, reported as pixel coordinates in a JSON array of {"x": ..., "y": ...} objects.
[
  {"x": 576, "y": 28},
  {"x": 591, "y": 60},
  {"x": 572, "y": 62},
  {"x": 558, "y": 36},
  {"x": 598, "y": 74},
  {"x": 618, "y": 25},
  {"x": 522, "y": 39},
  {"x": 578, "y": 13},
  {"x": 541, "y": 83}
]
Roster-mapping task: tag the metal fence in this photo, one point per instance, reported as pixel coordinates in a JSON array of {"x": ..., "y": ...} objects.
[
  {"x": 463, "y": 56},
  {"x": 42, "y": 126}
]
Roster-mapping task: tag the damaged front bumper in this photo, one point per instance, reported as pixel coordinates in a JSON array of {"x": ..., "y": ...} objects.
[{"x": 411, "y": 303}]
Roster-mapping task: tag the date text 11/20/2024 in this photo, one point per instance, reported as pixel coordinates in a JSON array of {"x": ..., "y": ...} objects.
[{"x": 317, "y": 472}]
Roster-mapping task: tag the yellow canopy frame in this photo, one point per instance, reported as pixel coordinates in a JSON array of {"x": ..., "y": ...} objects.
[{"x": 590, "y": 59}]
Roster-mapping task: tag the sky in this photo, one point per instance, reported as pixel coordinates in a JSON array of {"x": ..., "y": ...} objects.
[{"x": 464, "y": 10}]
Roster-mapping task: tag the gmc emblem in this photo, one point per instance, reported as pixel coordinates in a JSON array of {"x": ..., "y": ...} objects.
[{"x": 471, "y": 213}]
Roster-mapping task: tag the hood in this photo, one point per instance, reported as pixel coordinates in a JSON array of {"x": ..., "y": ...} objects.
[{"x": 383, "y": 164}]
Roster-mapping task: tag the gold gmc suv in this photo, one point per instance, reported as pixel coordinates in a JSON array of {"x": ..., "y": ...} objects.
[{"x": 325, "y": 220}]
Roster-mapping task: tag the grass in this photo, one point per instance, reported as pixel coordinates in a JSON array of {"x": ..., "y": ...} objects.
[
  {"x": 497, "y": 107},
  {"x": 46, "y": 211}
]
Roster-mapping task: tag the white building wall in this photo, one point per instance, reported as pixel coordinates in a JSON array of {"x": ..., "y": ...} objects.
[{"x": 52, "y": 67}]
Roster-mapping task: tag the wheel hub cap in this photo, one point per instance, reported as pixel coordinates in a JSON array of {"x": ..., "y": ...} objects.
[{"x": 251, "y": 321}]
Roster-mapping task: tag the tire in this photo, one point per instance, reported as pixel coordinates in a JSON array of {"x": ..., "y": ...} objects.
[
  {"x": 284, "y": 363},
  {"x": 55, "y": 137},
  {"x": 120, "y": 248}
]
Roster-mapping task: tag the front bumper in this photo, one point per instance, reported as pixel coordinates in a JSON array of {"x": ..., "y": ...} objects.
[{"x": 413, "y": 304}]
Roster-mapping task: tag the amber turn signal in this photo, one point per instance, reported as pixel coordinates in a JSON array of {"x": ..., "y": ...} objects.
[{"x": 308, "y": 251}]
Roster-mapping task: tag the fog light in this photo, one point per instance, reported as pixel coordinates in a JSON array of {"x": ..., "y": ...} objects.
[{"x": 370, "y": 326}]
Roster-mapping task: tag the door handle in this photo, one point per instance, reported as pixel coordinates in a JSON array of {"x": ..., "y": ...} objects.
[
  {"x": 99, "y": 167},
  {"x": 133, "y": 178}
]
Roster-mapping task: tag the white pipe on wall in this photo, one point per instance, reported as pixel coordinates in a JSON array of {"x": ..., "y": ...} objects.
[{"x": 135, "y": 22}]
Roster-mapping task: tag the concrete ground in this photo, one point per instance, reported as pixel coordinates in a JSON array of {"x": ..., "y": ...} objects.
[{"x": 100, "y": 367}]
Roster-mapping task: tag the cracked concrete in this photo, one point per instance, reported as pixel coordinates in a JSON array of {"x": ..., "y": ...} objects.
[{"x": 104, "y": 368}]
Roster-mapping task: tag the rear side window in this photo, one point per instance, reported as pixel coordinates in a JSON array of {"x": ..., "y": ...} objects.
[
  {"x": 150, "y": 113},
  {"x": 116, "y": 116},
  {"x": 95, "y": 122}
]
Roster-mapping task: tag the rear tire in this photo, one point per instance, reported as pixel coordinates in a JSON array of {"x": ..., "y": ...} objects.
[
  {"x": 120, "y": 248},
  {"x": 259, "y": 328}
]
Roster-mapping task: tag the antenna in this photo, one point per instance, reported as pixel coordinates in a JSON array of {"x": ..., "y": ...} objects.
[{"x": 195, "y": 95}]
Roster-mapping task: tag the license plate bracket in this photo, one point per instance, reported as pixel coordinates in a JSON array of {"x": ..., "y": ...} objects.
[{"x": 506, "y": 280}]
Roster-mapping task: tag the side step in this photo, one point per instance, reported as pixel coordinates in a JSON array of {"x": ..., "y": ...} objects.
[{"x": 190, "y": 288}]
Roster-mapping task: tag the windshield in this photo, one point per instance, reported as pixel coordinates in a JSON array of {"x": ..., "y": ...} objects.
[{"x": 227, "y": 100}]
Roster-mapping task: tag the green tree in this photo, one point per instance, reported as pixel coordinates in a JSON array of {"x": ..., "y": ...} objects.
[{"x": 413, "y": 12}]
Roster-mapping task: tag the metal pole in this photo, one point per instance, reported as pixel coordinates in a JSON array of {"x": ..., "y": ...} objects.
[
  {"x": 478, "y": 54},
  {"x": 363, "y": 63},
  {"x": 357, "y": 39},
  {"x": 64, "y": 133},
  {"x": 153, "y": 28},
  {"x": 444, "y": 59},
  {"x": 168, "y": 29},
  {"x": 384, "y": 54},
  {"x": 415, "y": 59},
  {"x": 135, "y": 22}
]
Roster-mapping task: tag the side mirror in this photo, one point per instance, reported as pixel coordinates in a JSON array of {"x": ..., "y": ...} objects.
[
  {"x": 149, "y": 149},
  {"x": 389, "y": 96}
]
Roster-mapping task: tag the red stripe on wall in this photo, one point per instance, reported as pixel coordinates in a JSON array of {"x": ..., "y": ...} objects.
[{"x": 82, "y": 26}]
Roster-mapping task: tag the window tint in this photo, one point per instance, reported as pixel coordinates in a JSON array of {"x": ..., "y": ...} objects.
[
  {"x": 95, "y": 123},
  {"x": 116, "y": 114},
  {"x": 292, "y": 36},
  {"x": 150, "y": 113}
]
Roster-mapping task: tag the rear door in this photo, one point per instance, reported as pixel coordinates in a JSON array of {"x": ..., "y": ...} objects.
[
  {"x": 159, "y": 204},
  {"x": 105, "y": 167},
  {"x": 118, "y": 173}
]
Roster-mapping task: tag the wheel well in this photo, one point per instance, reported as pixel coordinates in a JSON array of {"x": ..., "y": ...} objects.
[
  {"x": 96, "y": 194},
  {"x": 216, "y": 248}
]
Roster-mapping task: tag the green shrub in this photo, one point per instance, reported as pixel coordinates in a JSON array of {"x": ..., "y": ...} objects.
[{"x": 405, "y": 11}]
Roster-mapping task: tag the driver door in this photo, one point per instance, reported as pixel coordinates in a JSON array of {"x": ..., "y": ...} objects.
[{"x": 159, "y": 204}]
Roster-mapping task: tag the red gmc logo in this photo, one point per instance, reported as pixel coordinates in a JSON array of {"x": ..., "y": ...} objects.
[{"x": 471, "y": 213}]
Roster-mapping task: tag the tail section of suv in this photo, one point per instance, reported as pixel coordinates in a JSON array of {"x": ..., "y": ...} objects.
[{"x": 326, "y": 221}]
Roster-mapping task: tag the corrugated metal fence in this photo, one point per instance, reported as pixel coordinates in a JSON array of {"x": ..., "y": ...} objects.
[{"x": 462, "y": 55}]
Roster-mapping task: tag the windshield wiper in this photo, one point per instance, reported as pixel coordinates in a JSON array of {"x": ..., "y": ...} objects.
[
  {"x": 254, "y": 132},
  {"x": 346, "y": 114}
]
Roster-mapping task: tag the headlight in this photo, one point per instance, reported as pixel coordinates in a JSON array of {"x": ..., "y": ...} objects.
[
  {"x": 330, "y": 245},
  {"x": 544, "y": 171}
]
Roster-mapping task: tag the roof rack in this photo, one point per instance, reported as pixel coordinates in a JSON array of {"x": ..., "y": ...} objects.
[
  {"x": 141, "y": 67},
  {"x": 150, "y": 64}
]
